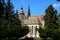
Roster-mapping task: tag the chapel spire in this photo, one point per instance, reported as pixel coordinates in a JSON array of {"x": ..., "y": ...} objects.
[{"x": 29, "y": 10}]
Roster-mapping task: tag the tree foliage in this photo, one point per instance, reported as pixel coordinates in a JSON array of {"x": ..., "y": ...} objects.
[
  {"x": 58, "y": 0},
  {"x": 2, "y": 3},
  {"x": 51, "y": 25},
  {"x": 10, "y": 25},
  {"x": 59, "y": 19},
  {"x": 9, "y": 10},
  {"x": 50, "y": 18}
]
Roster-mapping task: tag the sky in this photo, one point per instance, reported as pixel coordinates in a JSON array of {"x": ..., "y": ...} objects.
[{"x": 37, "y": 7}]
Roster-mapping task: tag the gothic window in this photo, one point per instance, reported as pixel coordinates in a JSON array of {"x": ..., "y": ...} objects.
[
  {"x": 32, "y": 29},
  {"x": 36, "y": 30}
]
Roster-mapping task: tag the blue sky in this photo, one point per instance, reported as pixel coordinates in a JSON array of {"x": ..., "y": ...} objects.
[{"x": 37, "y": 7}]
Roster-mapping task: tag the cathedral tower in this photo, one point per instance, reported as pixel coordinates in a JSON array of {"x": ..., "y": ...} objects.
[{"x": 22, "y": 16}]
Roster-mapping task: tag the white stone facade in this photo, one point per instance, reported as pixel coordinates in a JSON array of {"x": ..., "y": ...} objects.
[{"x": 33, "y": 32}]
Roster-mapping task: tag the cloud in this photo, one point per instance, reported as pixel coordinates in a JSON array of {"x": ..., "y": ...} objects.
[{"x": 56, "y": 5}]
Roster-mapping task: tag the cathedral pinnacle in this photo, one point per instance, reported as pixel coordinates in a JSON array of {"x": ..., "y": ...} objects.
[{"x": 29, "y": 10}]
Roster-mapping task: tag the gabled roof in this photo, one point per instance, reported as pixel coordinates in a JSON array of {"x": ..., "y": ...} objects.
[
  {"x": 40, "y": 18},
  {"x": 33, "y": 20}
]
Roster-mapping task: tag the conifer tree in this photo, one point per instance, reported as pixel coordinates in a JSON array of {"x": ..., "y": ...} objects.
[
  {"x": 59, "y": 19},
  {"x": 2, "y": 20},
  {"x": 58, "y": 0},
  {"x": 9, "y": 10},
  {"x": 16, "y": 14},
  {"x": 14, "y": 24},
  {"x": 19, "y": 30},
  {"x": 59, "y": 16},
  {"x": 51, "y": 24},
  {"x": 51, "y": 18},
  {"x": 2, "y": 3},
  {"x": 10, "y": 27}
]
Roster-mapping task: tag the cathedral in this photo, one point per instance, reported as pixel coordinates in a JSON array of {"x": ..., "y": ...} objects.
[{"x": 33, "y": 22}]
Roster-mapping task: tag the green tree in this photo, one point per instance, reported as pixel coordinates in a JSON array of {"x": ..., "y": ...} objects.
[
  {"x": 10, "y": 25},
  {"x": 59, "y": 16},
  {"x": 2, "y": 3},
  {"x": 42, "y": 33},
  {"x": 58, "y": 0},
  {"x": 3, "y": 29},
  {"x": 59, "y": 19},
  {"x": 14, "y": 25},
  {"x": 20, "y": 31},
  {"x": 50, "y": 18},
  {"x": 2, "y": 21},
  {"x": 51, "y": 24},
  {"x": 9, "y": 10}
]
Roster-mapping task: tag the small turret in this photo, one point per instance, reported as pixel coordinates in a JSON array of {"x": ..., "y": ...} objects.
[
  {"x": 21, "y": 11},
  {"x": 22, "y": 16}
]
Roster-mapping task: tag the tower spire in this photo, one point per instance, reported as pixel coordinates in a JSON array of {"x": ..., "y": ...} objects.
[{"x": 29, "y": 10}]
